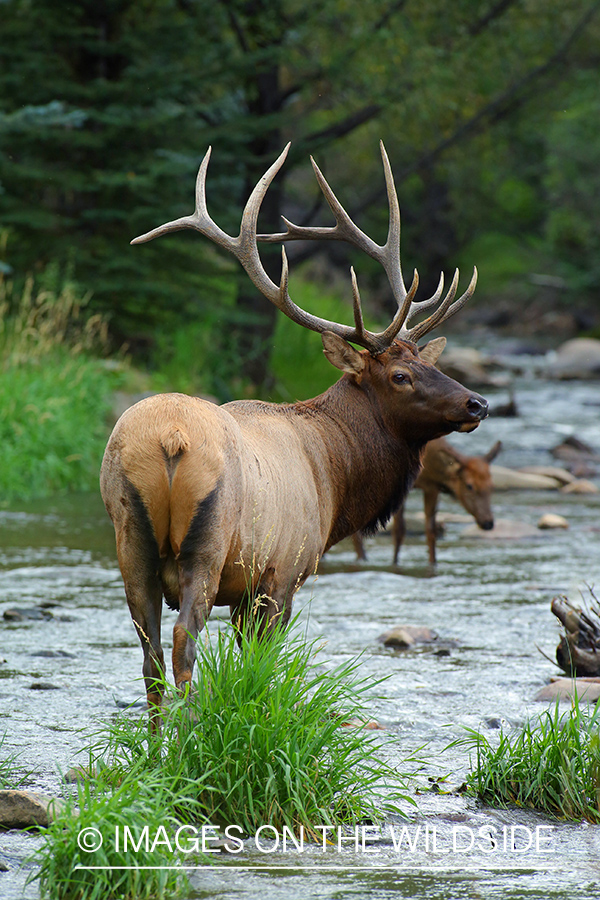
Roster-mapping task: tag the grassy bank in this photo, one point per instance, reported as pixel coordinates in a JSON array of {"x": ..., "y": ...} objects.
[{"x": 55, "y": 390}]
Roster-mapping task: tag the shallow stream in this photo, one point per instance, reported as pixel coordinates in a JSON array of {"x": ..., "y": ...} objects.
[{"x": 488, "y": 600}]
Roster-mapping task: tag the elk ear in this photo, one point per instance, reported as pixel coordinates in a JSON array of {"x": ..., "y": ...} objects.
[
  {"x": 432, "y": 350},
  {"x": 493, "y": 453},
  {"x": 341, "y": 354}
]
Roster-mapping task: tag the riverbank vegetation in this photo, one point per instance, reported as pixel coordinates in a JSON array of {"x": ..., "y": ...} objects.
[
  {"x": 552, "y": 764},
  {"x": 266, "y": 737},
  {"x": 487, "y": 112},
  {"x": 55, "y": 387}
]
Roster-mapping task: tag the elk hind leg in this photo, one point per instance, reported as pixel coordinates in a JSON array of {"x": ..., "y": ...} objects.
[
  {"x": 198, "y": 589},
  {"x": 268, "y": 606},
  {"x": 138, "y": 561}
]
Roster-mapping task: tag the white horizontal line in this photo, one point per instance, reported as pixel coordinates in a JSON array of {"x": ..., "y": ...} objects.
[{"x": 374, "y": 868}]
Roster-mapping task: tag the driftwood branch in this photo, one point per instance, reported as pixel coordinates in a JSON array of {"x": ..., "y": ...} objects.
[{"x": 578, "y": 651}]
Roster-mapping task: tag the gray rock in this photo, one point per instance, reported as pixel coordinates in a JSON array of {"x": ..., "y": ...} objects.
[
  {"x": 552, "y": 520},
  {"x": 587, "y": 689},
  {"x": 406, "y": 635},
  {"x": 20, "y": 613},
  {"x": 577, "y": 358},
  {"x": 504, "y": 479},
  {"x": 561, "y": 475},
  {"x": 471, "y": 367},
  {"x": 503, "y": 530},
  {"x": 581, "y": 486},
  {"x": 22, "y": 809}
]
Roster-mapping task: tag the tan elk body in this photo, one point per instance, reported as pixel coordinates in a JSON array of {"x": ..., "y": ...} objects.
[{"x": 234, "y": 505}]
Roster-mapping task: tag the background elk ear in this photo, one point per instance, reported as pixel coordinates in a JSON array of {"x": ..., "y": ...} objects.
[
  {"x": 341, "y": 354},
  {"x": 493, "y": 453},
  {"x": 432, "y": 350}
]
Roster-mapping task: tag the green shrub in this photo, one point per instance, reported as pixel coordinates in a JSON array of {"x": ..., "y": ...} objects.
[
  {"x": 552, "y": 764},
  {"x": 261, "y": 739}
]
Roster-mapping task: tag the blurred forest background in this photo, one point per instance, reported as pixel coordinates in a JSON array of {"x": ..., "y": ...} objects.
[{"x": 488, "y": 110}]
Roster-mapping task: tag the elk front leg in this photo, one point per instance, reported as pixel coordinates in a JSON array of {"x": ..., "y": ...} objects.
[
  {"x": 398, "y": 532},
  {"x": 430, "y": 498},
  {"x": 359, "y": 546}
]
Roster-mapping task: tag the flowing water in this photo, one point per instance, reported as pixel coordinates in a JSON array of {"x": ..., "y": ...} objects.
[{"x": 63, "y": 673}]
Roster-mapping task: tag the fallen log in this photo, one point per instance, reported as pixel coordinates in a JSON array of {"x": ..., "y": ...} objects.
[{"x": 578, "y": 651}]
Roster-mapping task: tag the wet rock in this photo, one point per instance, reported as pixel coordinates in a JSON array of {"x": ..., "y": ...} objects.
[
  {"x": 552, "y": 520},
  {"x": 581, "y": 486},
  {"x": 503, "y": 530},
  {"x": 508, "y": 410},
  {"x": 495, "y": 722},
  {"x": 22, "y": 809},
  {"x": 140, "y": 703},
  {"x": 563, "y": 476},
  {"x": 3, "y": 866},
  {"x": 580, "y": 459},
  {"x": 578, "y": 358},
  {"x": 78, "y": 774},
  {"x": 587, "y": 689},
  {"x": 403, "y": 636},
  {"x": 43, "y": 686},
  {"x": 369, "y": 724},
  {"x": 21, "y": 613},
  {"x": 470, "y": 366},
  {"x": 54, "y": 654},
  {"x": 504, "y": 479}
]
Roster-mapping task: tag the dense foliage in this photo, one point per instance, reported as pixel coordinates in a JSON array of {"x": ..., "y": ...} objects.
[
  {"x": 55, "y": 389},
  {"x": 487, "y": 110}
]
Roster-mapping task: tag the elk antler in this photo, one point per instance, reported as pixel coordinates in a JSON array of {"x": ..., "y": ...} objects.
[{"x": 245, "y": 249}]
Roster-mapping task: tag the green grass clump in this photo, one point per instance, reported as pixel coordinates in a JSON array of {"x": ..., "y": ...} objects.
[
  {"x": 120, "y": 871},
  {"x": 55, "y": 391},
  {"x": 260, "y": 739},
  {"x": 552, "y": 765},
  {"x": 11, "y": 776}
]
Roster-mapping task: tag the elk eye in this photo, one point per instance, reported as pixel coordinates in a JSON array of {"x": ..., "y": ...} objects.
[{"x": 398, "y": 377}]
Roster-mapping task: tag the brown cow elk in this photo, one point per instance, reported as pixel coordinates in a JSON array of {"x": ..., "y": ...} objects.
[
  {"x": 233, "y": 505},
  {"x": 467, "y": 478}
]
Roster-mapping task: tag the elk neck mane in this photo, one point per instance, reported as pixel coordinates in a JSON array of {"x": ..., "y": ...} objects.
[{"x": 372, "y": 469}]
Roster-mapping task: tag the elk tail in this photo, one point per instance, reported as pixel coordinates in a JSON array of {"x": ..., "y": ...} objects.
[{"x": 174, "y": 441}]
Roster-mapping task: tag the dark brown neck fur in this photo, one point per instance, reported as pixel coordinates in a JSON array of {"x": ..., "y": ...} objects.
[{"x": 372, "y": 470}]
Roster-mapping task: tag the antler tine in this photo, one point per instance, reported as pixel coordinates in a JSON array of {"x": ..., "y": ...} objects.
[
  {"x": 446, "y": 309},
  {"x": 358, "y": 316},
  {"x": 199, "y": 221}
]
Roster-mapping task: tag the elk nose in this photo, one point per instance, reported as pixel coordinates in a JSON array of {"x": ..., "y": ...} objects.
[
  {"x": 487, "y": 525},
  {"x": 477, "y": 407}
]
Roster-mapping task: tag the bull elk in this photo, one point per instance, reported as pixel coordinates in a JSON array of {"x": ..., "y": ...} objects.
[
  {"x": 233, "y": 505},
  {"x": 444, "y": 470}
]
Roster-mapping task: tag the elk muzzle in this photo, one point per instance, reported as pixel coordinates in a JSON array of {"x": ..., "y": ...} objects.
[{"x": 477, "y": 409}]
